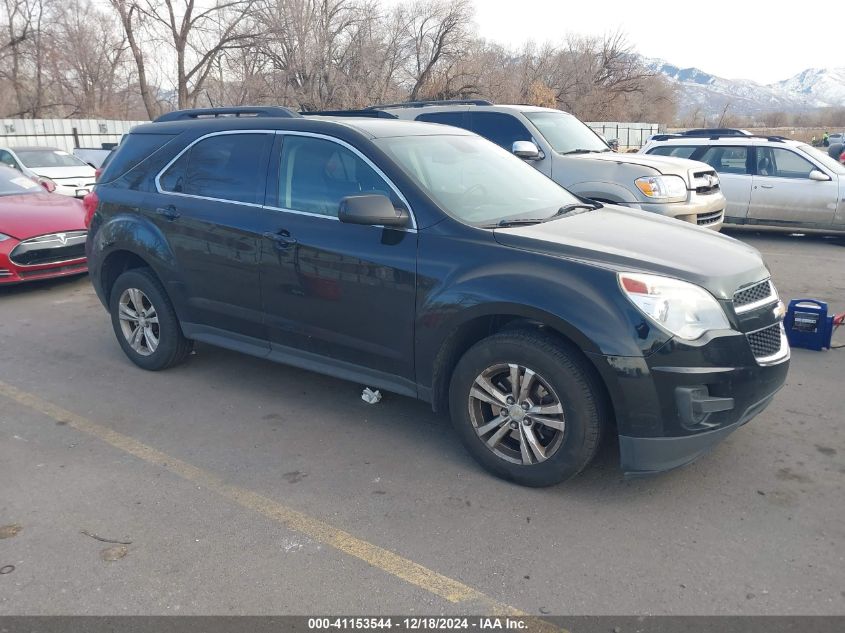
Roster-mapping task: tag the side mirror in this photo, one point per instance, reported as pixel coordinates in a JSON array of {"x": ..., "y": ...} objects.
[
  {"x": 819, "y": 176},
  {"x": 526, "y": 150},
  {"x": 372, "y": 209},
  {"x": 613, "y": 144}
]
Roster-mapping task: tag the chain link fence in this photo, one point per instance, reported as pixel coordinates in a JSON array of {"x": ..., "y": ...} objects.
[{"x": 631, "y": 136}]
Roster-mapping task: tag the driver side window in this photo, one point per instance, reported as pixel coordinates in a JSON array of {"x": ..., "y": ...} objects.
[
  {"x": 315, "y": 174},
  {"x": 782, "y": 163}
]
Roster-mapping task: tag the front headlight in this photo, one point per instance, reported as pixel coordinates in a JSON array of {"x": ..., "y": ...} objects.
[
  {"x": 4, "y": 237},
  {"x": 681, "y": 308},
  {"x": 662, "y": 187}
]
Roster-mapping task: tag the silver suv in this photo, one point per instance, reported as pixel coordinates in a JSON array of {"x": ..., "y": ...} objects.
[
  {"x": 767, "y": 180},
  {"x": 562, "y": 147}
]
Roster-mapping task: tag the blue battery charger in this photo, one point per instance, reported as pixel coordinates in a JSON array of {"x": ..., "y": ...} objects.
[{"x": 808, "y": 325}]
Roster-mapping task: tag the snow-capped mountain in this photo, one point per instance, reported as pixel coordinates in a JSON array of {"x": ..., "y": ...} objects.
[
  {"x": 709, "y": 94},
  {"x": 817, "y": 87}
]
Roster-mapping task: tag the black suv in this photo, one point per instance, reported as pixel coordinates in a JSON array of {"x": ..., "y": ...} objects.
[{"x": 427, "y": 261}]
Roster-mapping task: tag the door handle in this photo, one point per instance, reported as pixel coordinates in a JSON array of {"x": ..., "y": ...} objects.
[
  {"x": 767, "y": 186},
  {"x": 281, "y": 239},
  {"x": 168, "y": 213}
]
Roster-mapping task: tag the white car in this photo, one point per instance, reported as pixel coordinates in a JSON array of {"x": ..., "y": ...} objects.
[
  {"x": 767, "y": 180},
  {"x": 56, "y": 169}
]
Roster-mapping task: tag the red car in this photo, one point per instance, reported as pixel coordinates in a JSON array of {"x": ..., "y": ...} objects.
[{"x": 42, "y": 234}]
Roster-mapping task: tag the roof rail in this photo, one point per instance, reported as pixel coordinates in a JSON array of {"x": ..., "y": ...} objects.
[
  {"x": 715, "y": 131},
  {"x": 420, "y": 104},
  {"x": 372, "y": 114},
  {"x": 715, "y": 137},
  {"x": 240, "y": 111}
]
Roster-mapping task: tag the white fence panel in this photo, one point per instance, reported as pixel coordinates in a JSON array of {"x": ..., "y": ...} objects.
[{"x": 63, "y": 133}]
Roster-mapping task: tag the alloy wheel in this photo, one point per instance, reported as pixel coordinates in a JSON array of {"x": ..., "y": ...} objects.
[
  {"x": 138, "y": 321},
  {"x": 517, "y": 414}
]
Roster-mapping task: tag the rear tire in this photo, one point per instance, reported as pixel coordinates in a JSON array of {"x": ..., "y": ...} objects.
[
  {"x": 527, "y": 407},
  {"x": 145, "y": 323}
]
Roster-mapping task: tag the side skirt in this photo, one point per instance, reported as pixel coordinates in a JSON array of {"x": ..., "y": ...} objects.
[{"x": 300, "y": 358}]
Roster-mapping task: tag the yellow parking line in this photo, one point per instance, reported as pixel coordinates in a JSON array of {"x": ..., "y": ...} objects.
[{"x": 320, "y": 531}]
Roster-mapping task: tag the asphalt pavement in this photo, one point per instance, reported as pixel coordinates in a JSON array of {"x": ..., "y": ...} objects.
[{"x": 246, "y": 487}]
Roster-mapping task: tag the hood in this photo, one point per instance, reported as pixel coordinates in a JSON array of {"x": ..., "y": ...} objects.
[
  {"x": 663, "y": 164},
  {"x": 631, "y": 240},
  {"x": 57, "y": 173},
  {"x": 32, "y": 214}
]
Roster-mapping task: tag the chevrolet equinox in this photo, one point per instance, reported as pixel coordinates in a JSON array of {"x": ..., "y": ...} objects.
[{"x": 427, "y": 261}]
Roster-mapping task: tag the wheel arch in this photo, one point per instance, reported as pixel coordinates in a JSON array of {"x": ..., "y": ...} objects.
[
  {"x": 478, "y": 327},
  {"x": 125, "y": 242},
  {"x": 115, "y": 264}
]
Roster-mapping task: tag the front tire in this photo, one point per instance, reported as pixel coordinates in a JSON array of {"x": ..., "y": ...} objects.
[
  {"x": 145, "y": 323},
  {"x": 527, "y": 407}
]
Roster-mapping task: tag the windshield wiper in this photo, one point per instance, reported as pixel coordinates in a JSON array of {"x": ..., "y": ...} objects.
[
  {"x": 516, "y": 222},
  {"x": 581, "y": 151},
  {"x": 575, "y": 208},
  {"x": 566, "y": 210}
]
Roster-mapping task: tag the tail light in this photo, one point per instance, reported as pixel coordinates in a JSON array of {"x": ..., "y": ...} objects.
[
  {"x": 97, "y": 173},
  {"x": 90, "y": 203}
]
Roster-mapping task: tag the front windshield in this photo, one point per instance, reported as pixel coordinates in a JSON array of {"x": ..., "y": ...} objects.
[
  {"x": 565, "y": 133},
  {"x": 831, "y": 163},
  {"x": 13, "y": 183},
  {"x": 35, "y": 158},
  {"x": 475, "y": 180}
]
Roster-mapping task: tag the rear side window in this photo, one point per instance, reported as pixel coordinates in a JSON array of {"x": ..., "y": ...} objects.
[
  {"x": 458, "y": 119},
  {"x": 133, "y": 149},
  {"x": 680, "y": 151},
  {"x": 226, "y": 167},
  {"x": 503, "y": 129},
  {"x": 726, "y": 160}
]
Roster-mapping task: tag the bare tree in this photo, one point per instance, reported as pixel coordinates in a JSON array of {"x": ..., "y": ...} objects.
[
  {"x": 438, "y": 30},
  {"x": 19, "y": 31},
  {"x": 198, "y": 36},
  {"x": 66, "y": 57},
  {"x": 87, "y": 55},
  {"x": 131, "y": 21}
]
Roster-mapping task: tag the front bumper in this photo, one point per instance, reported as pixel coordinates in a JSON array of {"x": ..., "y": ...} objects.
[
  {"x": 11, "y": 273},
  {"x": 676, "y": 404},
  {"x": 651, "y": 455},
  {"x": 78, "y": 190},
  {"x": 706, "y": 210}
]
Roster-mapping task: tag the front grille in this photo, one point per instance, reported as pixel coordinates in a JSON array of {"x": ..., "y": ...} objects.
[
  {"x": 765, "y": 342},
  {"x": 709, "y": 218},
  {"x": 78, "y": 268},
  {"x": 49, "y": 249},
  {"x": 760, "y": 293},
  {"x": 80, "y": 184},
  {"x": 705, "y": 182}
]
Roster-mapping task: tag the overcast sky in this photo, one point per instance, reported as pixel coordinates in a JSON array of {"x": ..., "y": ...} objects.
[{"x": 736, "y": 39}]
